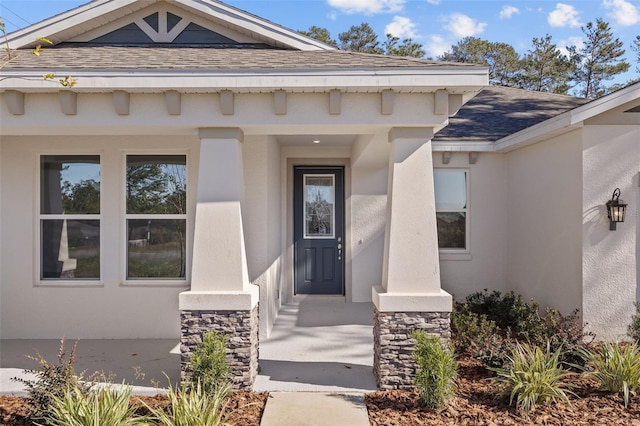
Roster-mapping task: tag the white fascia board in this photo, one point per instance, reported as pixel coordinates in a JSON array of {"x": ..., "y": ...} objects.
[
  {"x": 466, "y": 80},
  {"x": 255, "y": 24},
  {"x": 28, "y": 36},
  {"x": 458, "y": 146}
]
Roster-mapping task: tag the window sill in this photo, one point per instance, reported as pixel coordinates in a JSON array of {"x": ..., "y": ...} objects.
[
  {"x": 155, "y": 283},
  {"x": 452, "y": 255},
  {"x": 69, "y": 284}
]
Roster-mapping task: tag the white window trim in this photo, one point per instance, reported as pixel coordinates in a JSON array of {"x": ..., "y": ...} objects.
[
  {"x": 38, "y": 216},
  {"x": 453, "y": 253},
  {"x": 123, "y": 244}
]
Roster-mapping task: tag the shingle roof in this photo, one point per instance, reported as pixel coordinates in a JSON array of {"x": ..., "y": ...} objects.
[
  {"x": 200, "y": 58},
  {"x": 497, "y": 112}
]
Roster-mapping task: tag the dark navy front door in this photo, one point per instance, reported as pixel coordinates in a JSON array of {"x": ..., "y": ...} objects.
[{"x": 318, "y": 230}]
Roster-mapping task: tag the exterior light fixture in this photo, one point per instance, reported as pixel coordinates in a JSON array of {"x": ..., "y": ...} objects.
[
  {"x": 615, "y": 209},
  {"x": 316, "y": 141}
]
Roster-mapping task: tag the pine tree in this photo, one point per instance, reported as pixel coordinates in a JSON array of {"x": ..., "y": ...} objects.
[
  {"x": 360, "y": 38},
  {"x": 598, "y": 60},
  {"x": 407, "y": 48},
  {"x": 545, "y": 68},
  {"x": 321, "y": 34}
]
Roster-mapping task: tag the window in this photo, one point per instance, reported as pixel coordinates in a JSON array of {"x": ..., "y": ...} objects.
[
  {"x": 319, "y": 200},
  {"x": 69, "y": 217},
  {"x": 156, "y": 215},
  {"x": 451, "y": 208}
]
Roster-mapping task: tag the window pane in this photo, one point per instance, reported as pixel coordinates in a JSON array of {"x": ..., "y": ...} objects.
[
  {"x": 156, "y": 184},
  {"x": 319, "y": 194},
  {"x": 70, "y": 184},
  {"x": 451, "y": 189},
  {"x": 451, "y": 230},
  {"x": 156, "y": 248},
  {"x": 70, "y": 249}
]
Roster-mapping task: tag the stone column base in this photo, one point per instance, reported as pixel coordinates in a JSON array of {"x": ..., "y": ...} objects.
[
  {"x": 241, "y": 327},
  {"x": 393, "y": 363}
]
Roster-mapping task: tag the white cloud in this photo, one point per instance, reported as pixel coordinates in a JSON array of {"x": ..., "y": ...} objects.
[
  {"x": 508, "y": 11},
  {"x": 368, "y": 7},
  {"x": 563, "y": 45},
  {"x": 622, "y": 12},
  {"x": 401, "y": 27},
  {"x": 332, "y": 15},
  {"x": 564, "y": 15},
  {"x": 461, "y": 25},
  {"x": 436, "y": 46},
  {"x": 436, "y": 2}
]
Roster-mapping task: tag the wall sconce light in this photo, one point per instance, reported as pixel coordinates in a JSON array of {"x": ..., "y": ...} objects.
[{"x": 615, "y": 209}]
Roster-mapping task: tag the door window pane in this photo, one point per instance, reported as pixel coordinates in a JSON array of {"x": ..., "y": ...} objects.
[
  {"x": 156, "y": 248},
  {"x": 70, "y": 249},
  {"x": 319, "y": 201},
  {"x": 70, "y": 184}
]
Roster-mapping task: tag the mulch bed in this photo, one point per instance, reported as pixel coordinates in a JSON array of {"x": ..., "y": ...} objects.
[{"x": 476, "y": 403}]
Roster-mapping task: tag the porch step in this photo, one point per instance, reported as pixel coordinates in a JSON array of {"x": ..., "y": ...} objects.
[{"x": 315, "y": 409}]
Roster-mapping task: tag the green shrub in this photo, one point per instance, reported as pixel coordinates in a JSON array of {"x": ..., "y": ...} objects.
[
  {"x": 437, "y": 370},
  {"x": 616, "y": 369},
  {"x": 208, "y": 363},
  {"x": 195, "y": 407},
  {"x": 52, "y": 380},
  {"x": 532, "y": 377},
  {"x": 102, "y": 407},
  {"x": 487, "y": 325},
  {"x": 634, "y": 328}
]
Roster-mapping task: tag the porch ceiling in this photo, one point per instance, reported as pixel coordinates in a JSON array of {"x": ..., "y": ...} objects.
[{"x": 323, "y": 140}]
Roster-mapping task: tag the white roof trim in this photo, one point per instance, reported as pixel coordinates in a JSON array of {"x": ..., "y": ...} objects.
[
  {"x": 568, "y": 120},
  {"x": 57, "y": 28},
  {"x": 423, "y": 80}
]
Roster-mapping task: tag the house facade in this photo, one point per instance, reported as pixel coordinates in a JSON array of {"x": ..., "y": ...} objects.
[{"x": 209, "y": 166}]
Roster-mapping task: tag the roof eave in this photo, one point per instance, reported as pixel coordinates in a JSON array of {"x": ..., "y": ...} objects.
[{"x": 459, "y": 80}]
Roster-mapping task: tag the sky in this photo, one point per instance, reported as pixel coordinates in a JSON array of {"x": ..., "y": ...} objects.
[{"x": 436, "y": 24}]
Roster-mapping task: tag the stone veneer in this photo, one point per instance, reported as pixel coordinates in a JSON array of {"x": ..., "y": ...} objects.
[
  {"x": 241, "y": 327},
  {"x": 393, "y": 363}
]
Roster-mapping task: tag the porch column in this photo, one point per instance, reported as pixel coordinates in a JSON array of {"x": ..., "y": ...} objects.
[
  {"x": 410, "y": 296},
  {"x": 221, "y": 297}
]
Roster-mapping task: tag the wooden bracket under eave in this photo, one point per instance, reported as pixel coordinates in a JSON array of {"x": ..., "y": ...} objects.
[
  {"x": 387, "y": 98},
  {"x": 473, "y": 157},
  {"x": 227, "y": 102},
  {"x": 441, "y": 102},
  {"x": 335, "y": 102},
  {"x": 173, "y": 99},
  {"x": 14, "y": 101},
  {"x": 446, "y": 157},
  {"x": 121, "y": 102},
  {"x": 280, "y": 102},
  {"x": 68, "y": 102}
]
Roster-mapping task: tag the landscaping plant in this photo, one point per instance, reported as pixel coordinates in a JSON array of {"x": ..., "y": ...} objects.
[
  {"x": 208, "y": 363},
  {"x": 195, "y": 407},
  {"x": 437, "y": 370},
  {"x": 52, "y": 380},
  {"x": 487, "y": 325},
  {"x": 101, "y": 407},
  {"x": 532, "y": 377},
  {"x": 616, "y": 368},
  {"x": 634, "y": 328}
]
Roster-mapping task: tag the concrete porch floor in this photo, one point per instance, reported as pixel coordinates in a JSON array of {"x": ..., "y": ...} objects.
[
  {"x": 319, "y": 346},
  {"x": 314, "y": 346}
]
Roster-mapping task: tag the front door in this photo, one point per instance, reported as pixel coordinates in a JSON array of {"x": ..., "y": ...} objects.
[{"x": 318, "y": 229}]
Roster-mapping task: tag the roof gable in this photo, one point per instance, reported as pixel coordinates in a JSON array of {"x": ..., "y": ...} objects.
[{"x": 146, "y": 22}]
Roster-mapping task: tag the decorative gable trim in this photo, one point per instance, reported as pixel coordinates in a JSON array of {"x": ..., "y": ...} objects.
[{"x": 101, "y": 16}]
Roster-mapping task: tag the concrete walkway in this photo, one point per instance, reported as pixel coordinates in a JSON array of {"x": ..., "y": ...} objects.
[{"x": 315, "y": 409}]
